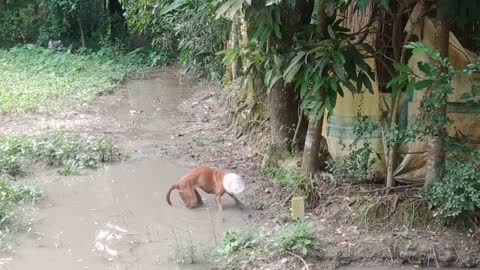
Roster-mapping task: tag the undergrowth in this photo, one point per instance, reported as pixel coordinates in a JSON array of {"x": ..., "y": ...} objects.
[
  {"x": 34, "y": 78},
  {"x": 67, "y": 151},
  {"x": 15, "y": 201},
  {"x": 242, "y": 246}
]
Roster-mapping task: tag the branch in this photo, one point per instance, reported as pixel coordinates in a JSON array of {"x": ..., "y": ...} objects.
[
  {"x": 371, "y": 21},
  {"x": 304, "y": 262}
]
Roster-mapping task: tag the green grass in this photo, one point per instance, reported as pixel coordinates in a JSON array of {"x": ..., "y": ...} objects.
[
  {"x": 67, "y": 151},
  {"x": 15, "y": 200},
  {"x": 33, "y": 78}
]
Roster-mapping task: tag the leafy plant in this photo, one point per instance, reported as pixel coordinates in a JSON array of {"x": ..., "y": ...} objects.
[
  {"x": 14, "y": 201},
  {"x": 236, "y": 240},
  {"x": 296, "y": 237},
  {"x": 70, "y": 152},
  {"x": 358, "y": 164},
  {"x": 456, "y": 192}
]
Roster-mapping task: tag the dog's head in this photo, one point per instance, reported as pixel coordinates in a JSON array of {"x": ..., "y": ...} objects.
[{"x": 233, "y": 183}]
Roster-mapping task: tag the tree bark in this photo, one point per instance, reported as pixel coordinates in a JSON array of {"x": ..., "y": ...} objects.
[
  {"x": 310, "y": 158},
  {"x": 436, "y": 143},
  {"x": 282, "y": 111}
]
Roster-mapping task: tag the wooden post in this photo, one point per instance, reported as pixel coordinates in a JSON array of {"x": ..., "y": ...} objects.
[{"x": 298, "y": 208}]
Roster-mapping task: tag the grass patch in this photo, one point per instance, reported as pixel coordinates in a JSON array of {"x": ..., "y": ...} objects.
[
  {"x": 185, "y": 250},
  {"x": 15, "y": 200},
  {"x": 284, "y": 177},
  {"x": 33, "y": 78},
  {"x": 70, "y": 152},
  {"x": 241, "y": 247}
]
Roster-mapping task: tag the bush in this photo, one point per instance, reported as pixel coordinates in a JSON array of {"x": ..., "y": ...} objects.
[
  {"x": 296, "y": 237},
  {"x": 458, "y": 191},
  {"x": 236, "y": 240}
]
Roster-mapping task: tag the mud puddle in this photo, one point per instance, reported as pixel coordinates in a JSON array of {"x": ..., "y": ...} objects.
[{"x": 117, "y": 218}]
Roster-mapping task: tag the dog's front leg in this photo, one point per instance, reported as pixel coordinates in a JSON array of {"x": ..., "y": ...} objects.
[
  {"x": 237, "y": 201},
  {"x": 219, "y": 203}
]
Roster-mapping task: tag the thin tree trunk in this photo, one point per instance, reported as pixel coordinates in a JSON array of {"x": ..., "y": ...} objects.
[
  {"x": 436, "y": 144},
  {"x": 310, "y": 159},
  {"x": 82, "y": 35}
]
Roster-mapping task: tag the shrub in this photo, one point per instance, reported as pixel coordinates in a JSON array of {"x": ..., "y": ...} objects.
[
  {"x": 68, "y": 151},
  {"x": 458, "y": 191},
  {"x": 236, "y": 240},
  {"x": 296, "y": 237}
]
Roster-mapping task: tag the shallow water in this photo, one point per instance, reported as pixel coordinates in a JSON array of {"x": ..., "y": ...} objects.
[
  {"x": 116, "y": 217},
  {"x": 125, "y": 199}
]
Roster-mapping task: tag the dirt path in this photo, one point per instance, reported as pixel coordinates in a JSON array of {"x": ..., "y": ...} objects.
[{"x": 116, "y": 217}]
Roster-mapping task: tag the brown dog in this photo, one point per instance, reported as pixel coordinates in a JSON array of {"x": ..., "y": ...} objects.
[{"x": 211, "y": 181}]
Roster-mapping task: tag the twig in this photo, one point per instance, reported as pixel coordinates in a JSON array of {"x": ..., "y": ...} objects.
[
  {"x": 300, "y": 117},
  {"x": 390, "y": 188},
  {"x": 289, "y": 197},
  {"x": 304, "y": 262},
  {"x": 435, "y": 257},
  {"x": 391, "y": 255}
]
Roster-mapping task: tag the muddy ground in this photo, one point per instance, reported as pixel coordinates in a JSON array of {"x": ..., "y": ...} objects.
[{"x": 183, "y": 120}]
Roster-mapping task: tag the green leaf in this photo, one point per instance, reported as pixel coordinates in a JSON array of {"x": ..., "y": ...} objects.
[
  {"x": 423, "y": 84},
  {"x": 466, "y": 96},
  {"x": 397, "y": 80},
  {"x": 475, "y": 91},
  {"x": 340, "y": 57},
  {"x": 367, "y": 82},
  {"x": 333, "y": 84},
  {"x": 362, "y": 4},
  {"x": 350, "y": 87},
  {"x": 402, "y": 67},
  {"x": 173, "y": 6},
  {"x": 410, "y": 87},
  {"x": 331, "y": 33},
  {"x": 337, "y": 67}
]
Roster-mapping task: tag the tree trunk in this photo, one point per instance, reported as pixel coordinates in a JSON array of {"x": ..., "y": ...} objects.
[
  {"x": 310, "y": 158},
  {"x": 82, "y": 34},
  {"x": 436, "y": 144},
  {"x": 314, "y": 133},
  {"x": 282, "y": 112}
]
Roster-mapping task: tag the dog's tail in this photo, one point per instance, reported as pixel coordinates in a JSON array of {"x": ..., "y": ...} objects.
[{"x": 168, "y": 193}]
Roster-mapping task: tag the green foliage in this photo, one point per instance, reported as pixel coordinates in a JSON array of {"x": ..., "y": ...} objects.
[
  {"x": 29, "y": 21},
  {"x": 14, "y": 200},
  {"x": 322, "y": 68},
  {"x": 70, "y": 152},
  {"x": 32, "y": 78},
  {"x": 237, "y": 240},
  {"x": 458, "y": 189},
  {"x": 296, "y": 237},
  {"x": 436, "y": 79},
  {"x": 358, "y": 164},
  {"x": 186, "y": 29}
]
